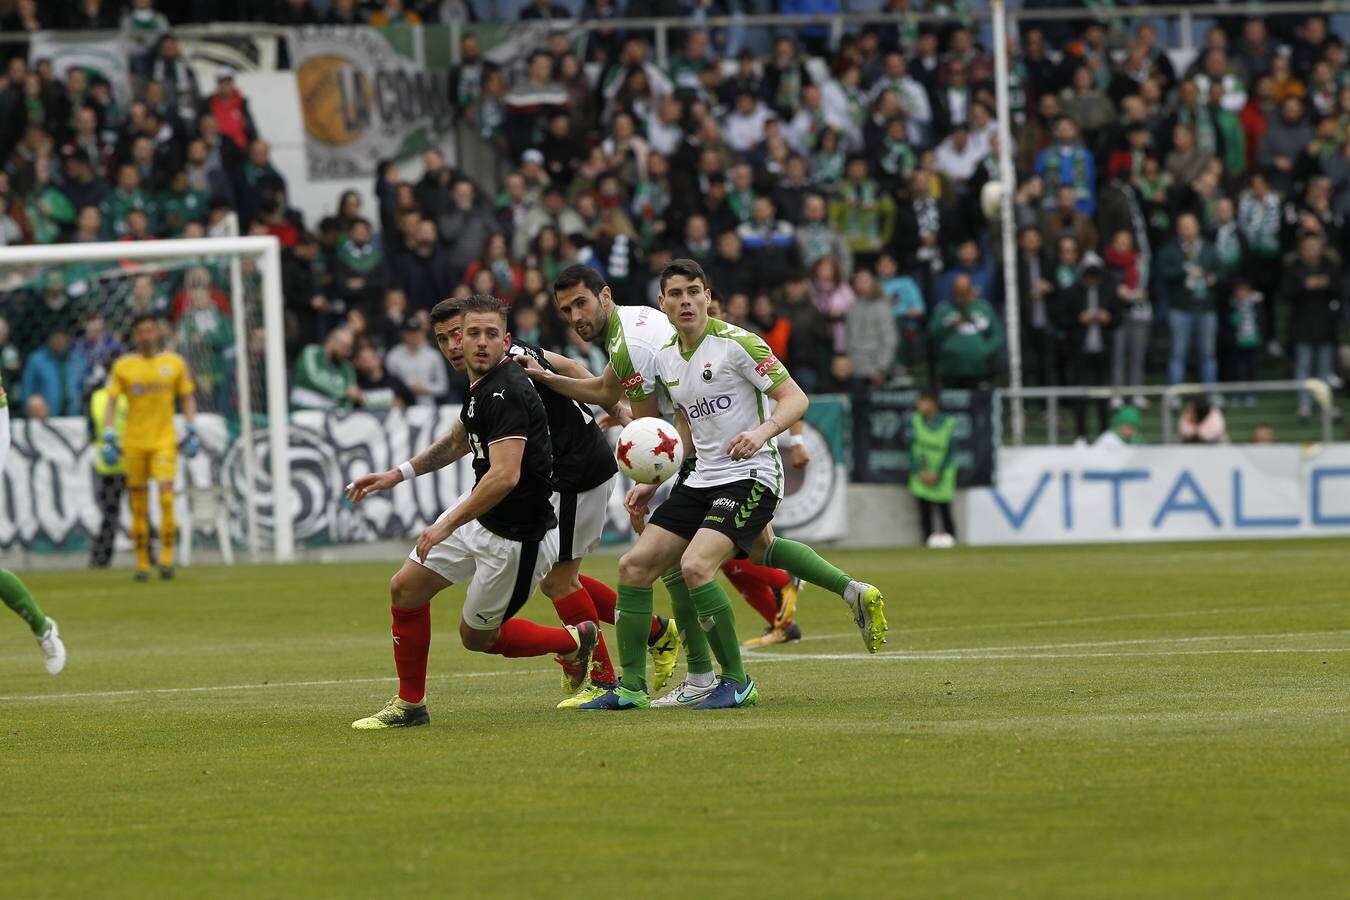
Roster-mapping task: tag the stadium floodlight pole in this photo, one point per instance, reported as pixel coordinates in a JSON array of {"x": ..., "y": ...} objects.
[
  {"x": 1008, "y": 178},
  {"x": 270, "y": 249}
]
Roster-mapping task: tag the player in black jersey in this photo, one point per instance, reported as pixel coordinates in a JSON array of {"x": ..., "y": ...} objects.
[
  {"x": 583, "y": 477},
  {"x": 501, "y": 536}
]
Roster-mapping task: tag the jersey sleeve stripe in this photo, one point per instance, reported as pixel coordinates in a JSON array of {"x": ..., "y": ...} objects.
[{"x": 508, "y": 437}]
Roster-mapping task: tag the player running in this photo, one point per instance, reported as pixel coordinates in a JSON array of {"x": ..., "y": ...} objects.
[
  {"x": 501, "y": 536},
  {"x": 719, "y": 376},
  {"x": 151, "y": 379},
  {"x": 583, "y": 475},
  {"x": 12, "y": 589}
]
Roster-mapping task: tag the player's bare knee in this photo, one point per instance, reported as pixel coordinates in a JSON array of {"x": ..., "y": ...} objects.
[
  {"x": 557, "y": 584},
  {"x": 403, "y": 595},
  {"x": 634, "y": 570},
  {"x": 476, "y": 640},
  {"x": 697, "y": 571}
]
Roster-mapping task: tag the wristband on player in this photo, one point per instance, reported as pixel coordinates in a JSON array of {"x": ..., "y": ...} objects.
[
  {"x": 406, "y": 469},
  {"x": 793, "y": 440}
]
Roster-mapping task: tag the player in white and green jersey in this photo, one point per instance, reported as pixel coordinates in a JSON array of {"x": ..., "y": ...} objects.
[
  {"x": 12, "y": 589},
  {"x": 720, "y": 378}
]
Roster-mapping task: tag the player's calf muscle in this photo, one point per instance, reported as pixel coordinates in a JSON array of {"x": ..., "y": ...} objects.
[{"x": 475, "y": 640}]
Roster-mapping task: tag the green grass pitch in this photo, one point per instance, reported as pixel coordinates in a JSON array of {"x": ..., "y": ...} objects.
[{"x": 1164, "y": 721}]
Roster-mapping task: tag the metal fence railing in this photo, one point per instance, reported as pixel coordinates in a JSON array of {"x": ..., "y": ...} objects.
[{"x": 1055, "y": 409}]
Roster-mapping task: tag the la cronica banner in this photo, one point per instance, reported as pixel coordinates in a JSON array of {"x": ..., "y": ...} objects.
[
  {"x": 1054, "y": 495},
  {"x": 364, "y": 100}
]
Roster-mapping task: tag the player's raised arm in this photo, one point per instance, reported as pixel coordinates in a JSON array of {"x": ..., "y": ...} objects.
[
  {"x": 447, "y": 449},
  {"x": 502, "y": 476},
  {"x": 603, "y": 390},
  {"x": 569, "y": 367}
]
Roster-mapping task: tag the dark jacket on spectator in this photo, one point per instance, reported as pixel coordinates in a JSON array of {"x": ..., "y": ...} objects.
[
  {"x": 1313, "y": 295},
  {"x": 426, "y": 280},
  {"x": 464, "y": 232}
]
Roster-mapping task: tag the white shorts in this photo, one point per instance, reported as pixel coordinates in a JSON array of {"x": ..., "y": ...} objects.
[
  {"x": 581, "y": 520},
  {"x": 501, "y": 573}
]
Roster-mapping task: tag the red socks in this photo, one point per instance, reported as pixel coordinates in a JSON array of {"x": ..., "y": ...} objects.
[
  {"x": 604, "y": 598},
  {"x": 775, "y": 579},
  {"x": 521, "y": 637},
  {"x": 412, "y": 643},
  {"x": 578, "y": 607},
  {"x": 750, "y": 586}
]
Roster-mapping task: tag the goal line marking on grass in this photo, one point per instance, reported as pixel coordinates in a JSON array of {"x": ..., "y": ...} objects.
[{"x": 139, "y": 692}]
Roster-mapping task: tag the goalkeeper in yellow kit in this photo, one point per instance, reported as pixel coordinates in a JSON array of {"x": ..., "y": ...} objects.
[{"x": 151, "y": 379}]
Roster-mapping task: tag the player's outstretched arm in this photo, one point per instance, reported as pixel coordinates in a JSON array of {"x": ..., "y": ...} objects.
[
  {"x": 448, "y": 448},
  {"x": 791, "y": 403},
  {"x": 503, "y": 474},
  {"x": 603, "y": 390},
  {"x": 569, "y": 367}
]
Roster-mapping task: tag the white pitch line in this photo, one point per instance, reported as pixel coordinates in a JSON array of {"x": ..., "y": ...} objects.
[
  {"x": 140, "y": 692},
  {"x": 1192, "y": 639},
  {"x": 901, "y": 656}
]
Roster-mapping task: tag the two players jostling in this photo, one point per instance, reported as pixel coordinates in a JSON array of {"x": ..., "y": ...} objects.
[
  {"x": 720, "y": 379},
  {"x": 584, "y": 474}
]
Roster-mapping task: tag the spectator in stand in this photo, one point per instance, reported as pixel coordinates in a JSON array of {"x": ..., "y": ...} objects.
[
  {"x": 808, "y": 346},
  {"x": 53, "y": 377},
  {"x": 1189, "y": 269},
  {"x": 1244, "y": 319},
  {"x": 767, "y": 240},
  {"x": 205, "y": 335},
  {"x": 394, "y": 12},
  {"x": 1068, "y": 162},
  {"x": 424, "y": 270},
  {"x": 544, "y": 10},
  {"x": 380, "y": 391},
  {"x": 1202, "y": 423},
  {"x": 142, "y": 25},
  {"x": 1126, "y": 430},
  {"x": 815, "y": 237},
  {"x": 419, "y": 365},
  {"x": 833, "y": 296},
  {"x": 1066, "y": 219},
  {"x": 1312, "y": 289},
  {"x": 496, "y": 260},
  {"x": 229, "y": 110},
  {"x": 862, "y": 215},
  {"x": 1087, "y": 314},
  {"x": 359, "y": 269},
  {"x": 967, "y": 338},
  {"x": 465, "y": 227},
  {"x": 324, "y": 377},
  {"x": 872, "y": 338}
]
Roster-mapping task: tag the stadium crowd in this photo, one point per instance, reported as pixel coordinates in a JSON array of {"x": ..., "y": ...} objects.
[{"x": 1177, "y": 225}]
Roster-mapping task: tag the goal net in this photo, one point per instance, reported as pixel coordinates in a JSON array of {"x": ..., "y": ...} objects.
[{"x": 65, "y": 316}]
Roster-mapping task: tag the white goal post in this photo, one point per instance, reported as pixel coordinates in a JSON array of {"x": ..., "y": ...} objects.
[{"x": 268, "y": 250}]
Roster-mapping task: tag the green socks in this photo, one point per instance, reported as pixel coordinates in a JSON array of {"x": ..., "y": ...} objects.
[
  {"x": 796, "y": 558},
  {"x": 15, "y": 594},
  {"x": 632, "y": 625},
  {"x": 696, "y": 652},
  {"x": 719, "y": 624}
]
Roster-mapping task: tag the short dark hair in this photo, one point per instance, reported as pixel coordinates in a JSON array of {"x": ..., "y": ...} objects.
[
  {"x": 143, "y": 317},
  {"x": 686, "y": 267},
  {"x": 485, "y": 303},
  {"x": 930, "y": 394},
  {"x": 579, "y": 275},
  {"x": 447, "y": 310}
]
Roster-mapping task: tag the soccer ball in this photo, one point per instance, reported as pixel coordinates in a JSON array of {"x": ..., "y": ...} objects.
[
  {"x": 649, "y": 450},
  {"x": 940, "y": 540}
]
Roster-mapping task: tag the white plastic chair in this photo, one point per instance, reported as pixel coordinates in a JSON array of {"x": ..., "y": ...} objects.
[{"x": 206, "y": 507}]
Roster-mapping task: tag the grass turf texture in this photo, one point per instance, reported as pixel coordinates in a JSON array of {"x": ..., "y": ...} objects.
[{"x": 1111, "y": 721}]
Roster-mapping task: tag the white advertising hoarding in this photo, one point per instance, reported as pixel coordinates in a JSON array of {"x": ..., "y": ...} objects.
[{"x": 1052, "y": 495}]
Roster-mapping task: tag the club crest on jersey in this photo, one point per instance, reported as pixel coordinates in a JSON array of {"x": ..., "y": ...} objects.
[
  {"x": 166, "y": 371},
  {"x": 708, "y": 372},
  {"x": 767, "y": 365},
  {"x": 470, "y": 412}
]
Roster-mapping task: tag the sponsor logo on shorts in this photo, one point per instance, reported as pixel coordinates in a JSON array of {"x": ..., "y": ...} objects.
[
  {"x": 709, "y": 406},
  {"x": 767, "y": 366},
  {"x": 718, "y": 519},
  {"x": 725, "y": 503}
]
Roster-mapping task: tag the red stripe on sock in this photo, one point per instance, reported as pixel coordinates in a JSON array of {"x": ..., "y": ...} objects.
[
  {"x": 578, "y": 607},
  {"x": 756, "y": 593},
  {"x": 603, "y": 596},
  {"x": 521, "y": 637},
  {"x": 412, "y": 644}
]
